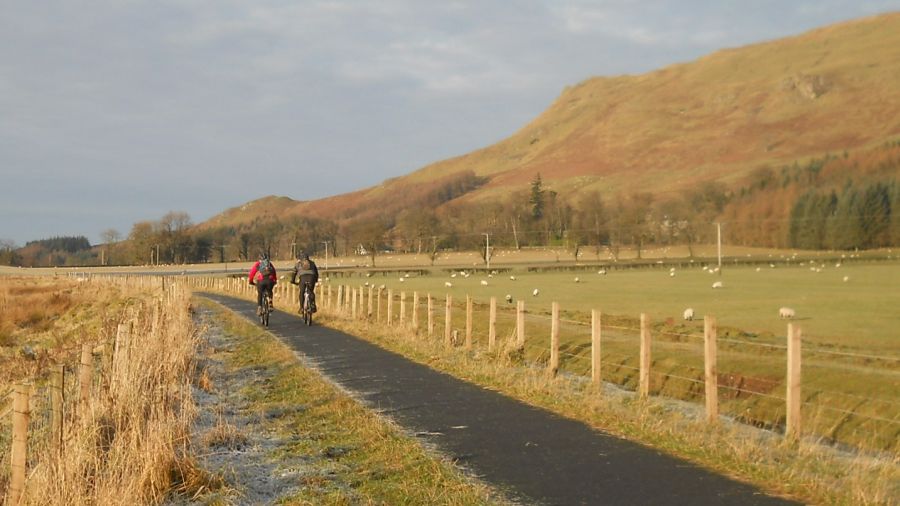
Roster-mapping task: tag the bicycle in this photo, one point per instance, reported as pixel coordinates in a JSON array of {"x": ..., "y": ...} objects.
[
  {"x": 266, "y": 310},
  {"x": 306, "y": 305}
]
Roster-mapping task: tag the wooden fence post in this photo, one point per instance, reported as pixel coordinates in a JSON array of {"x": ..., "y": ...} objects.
[
  {"x": 415, "y": 312},
  {"x": 492, "y": 325},
  {"x": 328, "y": 299},
  {"x": 402, "y": 308},
  {"x": 644, "y": 382},
  {"x": 595, "y": 347},
  {"x": 370, "y": 308},
  {"x": 362, "y": 303},
  {"x": 57, "y": 401},
  {"x": 84, "y": 375},
  {"x": 520, "y": 323},
  {"x": 19, "y": 454},
  {"x": 468, "y": 322},
  {"x": 710, "y": 369},
  {"x": 793, "y": 382},
  {"x": 340, "y": 299},
  {"x": 390, "y": 307},
  {"x": 430, "y": 316},
  {"x": 554, "y": 338},
  {"x": 378, "y": 305},
  {"x": 448, "y": 327},
  {"x": 352, "y": 303}
]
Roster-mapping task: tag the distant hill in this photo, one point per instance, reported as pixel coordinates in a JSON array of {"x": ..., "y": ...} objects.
[{"x": 717, "y": 118}]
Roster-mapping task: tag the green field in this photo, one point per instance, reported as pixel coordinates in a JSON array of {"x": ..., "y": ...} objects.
[
  {"x": 851, "y": 345},
  {"x": 862, "y": 313}
]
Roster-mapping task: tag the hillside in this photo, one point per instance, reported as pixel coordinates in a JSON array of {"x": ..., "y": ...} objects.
[{"x": 717, "y": 118}]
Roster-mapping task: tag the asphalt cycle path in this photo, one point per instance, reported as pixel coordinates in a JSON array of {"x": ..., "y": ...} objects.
[{"x": 536, "y": 456}]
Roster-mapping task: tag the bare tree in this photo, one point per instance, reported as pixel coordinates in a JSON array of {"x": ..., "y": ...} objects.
[{"x": 110, "y": 236}]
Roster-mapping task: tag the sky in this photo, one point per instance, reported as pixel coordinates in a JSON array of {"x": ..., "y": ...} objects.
[{"x": 115, "y": 112}]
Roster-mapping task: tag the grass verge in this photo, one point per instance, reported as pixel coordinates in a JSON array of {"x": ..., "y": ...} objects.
[{"x": 357, "y": 457}]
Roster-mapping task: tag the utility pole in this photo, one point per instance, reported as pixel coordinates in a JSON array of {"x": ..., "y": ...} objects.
[
  {"x": 293, "y": 248},
  {"x": 157, "y": 254},
  {"x": 326, "y": 254},
  {"x": 719, "y": 243},
  {"x": 487, "y": 249}
]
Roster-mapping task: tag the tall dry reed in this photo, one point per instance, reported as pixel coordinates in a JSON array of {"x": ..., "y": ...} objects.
[{"x": 124, "y": 447}]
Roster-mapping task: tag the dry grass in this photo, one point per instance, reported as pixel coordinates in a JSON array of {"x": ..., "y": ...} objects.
[
  {"x": 32, "y": 304},
  {"x": 126, "y": 446}
]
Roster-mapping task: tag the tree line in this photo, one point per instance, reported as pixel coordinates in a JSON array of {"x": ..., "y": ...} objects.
[{"x": 834, "y": 202}]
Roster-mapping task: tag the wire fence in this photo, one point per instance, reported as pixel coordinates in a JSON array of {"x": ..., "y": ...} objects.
[
  {"x": 750, "y": 379},
  {"x": 44, "y": 411},
  {"x": 750, "y": 376}
]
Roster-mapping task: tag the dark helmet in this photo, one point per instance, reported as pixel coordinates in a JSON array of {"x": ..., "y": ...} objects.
[
  {"x": 303, "y": 255},
  {"x": 263, "y": 255}
]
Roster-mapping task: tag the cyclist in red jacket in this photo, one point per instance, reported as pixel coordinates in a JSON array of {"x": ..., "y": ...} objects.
[{"x": 263, "y": 275}]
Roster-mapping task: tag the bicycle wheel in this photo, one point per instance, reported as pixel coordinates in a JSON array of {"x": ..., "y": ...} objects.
[
  {"x": 307, "y": 311},
  {"x": 266, "y": 312}
]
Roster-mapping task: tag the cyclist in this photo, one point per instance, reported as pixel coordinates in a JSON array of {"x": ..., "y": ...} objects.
[
  {"x": 305, "y": 273},
  {"x": 263, "y": 275}
]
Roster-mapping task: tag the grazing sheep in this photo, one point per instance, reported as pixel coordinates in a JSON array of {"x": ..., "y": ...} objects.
[
  {"x": 689, "y": 314},
  {"x": 717, "y": 284},
  {"x": 509, "y": 299},
  {"x": 401, "y": 280},
  {"x": 453, "y": 275},
  {"x": 535, "y": 292},
  {"x": 846, "y": 278},
  {"x": 577, "y": 280},
  {"x": 602, "y": 272},
  {"x": 484, "y": 282},
  {"x": 368, "y": 274},
  {"x": 671, "y": 274},
  {"x": 448, "y": 284},
  {"x": 786, "y": 312},
  {"x": 512, "y": 278},
  {"x": 758, "y": 269}
]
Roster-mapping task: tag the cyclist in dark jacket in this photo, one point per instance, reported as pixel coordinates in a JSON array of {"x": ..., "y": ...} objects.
[{"x": 305, "y": 273}]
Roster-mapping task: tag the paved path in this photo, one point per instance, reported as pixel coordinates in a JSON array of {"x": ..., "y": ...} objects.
[{"x": 535, "y": 455}]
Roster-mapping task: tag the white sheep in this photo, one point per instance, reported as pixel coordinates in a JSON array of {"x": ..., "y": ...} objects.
[
  {"x": 689, "y": 314},
  {"x": 509, "y": 299},
  {"x": 453, "y": 275},
  {"x": 484, "y": 282},
  {"x": 602, "y": 272},
  {"x": 786, "y": 312},
  {"x": 717, "y": 284},
  {"x": 535, "y": 292},
  {"x": 846, "y": 278},
  {"x": 577, "y": 280},
  {"x": 401, "y": 280},
  {"x": 671, "y": 274},
  {"x": 512, "y": 278},
  {"x": 448, "y": 284}
]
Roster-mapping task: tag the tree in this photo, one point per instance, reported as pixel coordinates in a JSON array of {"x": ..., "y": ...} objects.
[
  {"x": 110, "y": 236},
  {"x": 370, "y": 233},
  {"x": 636, "y": 219},
  {"x": 8, "y": 254},
  {"x": 536, "y": 200}
]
